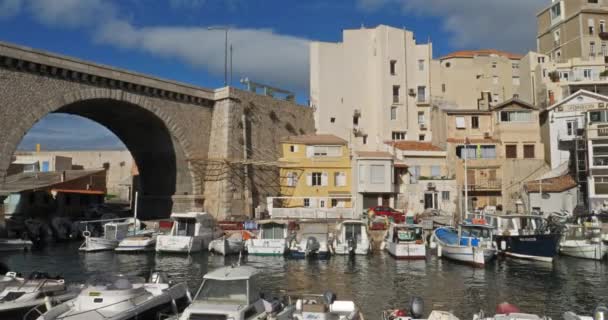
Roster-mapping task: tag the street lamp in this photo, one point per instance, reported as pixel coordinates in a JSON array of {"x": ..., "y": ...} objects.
[{"x": 225, "y": 51}]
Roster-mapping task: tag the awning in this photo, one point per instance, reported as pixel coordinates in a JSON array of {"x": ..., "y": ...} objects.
[{"x": 78, "y": 191}]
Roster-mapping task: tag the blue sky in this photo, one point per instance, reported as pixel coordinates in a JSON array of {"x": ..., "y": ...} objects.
[{"x": 169, "y": 39}]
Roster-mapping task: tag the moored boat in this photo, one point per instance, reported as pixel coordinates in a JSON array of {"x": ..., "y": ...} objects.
[
  {"x": 583, "y": 241},
  {"x": 271, "y": 239},
  {"x": 526, "y": 236},
  {"x": 352, "y": 237},
  {"x": 15, "y": 244},
  {"x": 325, "y": 306},
  {"x": 311, "y": 241},
  {"x": 114, "y": 232},
  {"x": 469, "y": 243},
  {"x": 137, "y": 243},
  {"x": 405, "y": 241},
  {"x": 414, "y": 311},
  {"x": 191, "y": 232},
  {"x": 507, "y": 311},
  {"x": 228, "y": 244}
]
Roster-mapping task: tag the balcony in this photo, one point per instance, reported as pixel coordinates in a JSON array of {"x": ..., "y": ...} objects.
[
  {"x": 602, "y": 131},
  {"x": 485, "y": 185},
  {"x": 603, "y": 35}
]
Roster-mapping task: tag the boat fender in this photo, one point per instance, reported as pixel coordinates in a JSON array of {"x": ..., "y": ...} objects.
[
  {"x": 503, "y": 245},
  {"x": 174, "y": 307},
  {"x": 342, "y": 306},
  {"x": 189, "y": 296},
  {"x": 47, "y": 303},
  {"x": 416, "y": 307},
  {"x": 439, "y": 251}
]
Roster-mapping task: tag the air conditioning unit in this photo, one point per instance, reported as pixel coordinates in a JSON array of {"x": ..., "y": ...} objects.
[
  {"x": 486, "y": 135},
  {"x": 411, "y": 92},
  {"x": 430, "y": 185}
]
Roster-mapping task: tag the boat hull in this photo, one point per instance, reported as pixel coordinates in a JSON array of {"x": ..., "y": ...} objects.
[
  {"x": 136, "y": 244},
  {"x": 15, "y": 244},
  {"x": 266, "y": 247},
  {"x": 19, "y": 310},
  {"x": 476, "y": 256},
  {"x": 583, "y": 249},
  {"x": 93, "y": 244},
  {"x": 411, "y": 251},
  {"x": 179, "y": 244},
  {"x": 226, "y": 246},
  {"x": 321, "y": 255},
  {"x": 543, "y": 247}
]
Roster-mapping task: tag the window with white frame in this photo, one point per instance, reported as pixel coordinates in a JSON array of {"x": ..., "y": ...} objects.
[
  {"x": 515, "y": 116},
  {"x": 460, "y": 123},
  {"x": 515, "y": 65},
  {"x": 414, "y": 174},
  {"x": 587, "y": 73},
  {"x": 421, "y": 119},
  {"x": 327, "y": 151},
  {"x": 340, "y": 179},
  {"x": 571, "y": 127},
  {"x": 377, "y": 174},
  {"x": 592, "y": 48},
  {"x": 516, "y": 81},
  {"x": 421, "y": 65},
  {"x": 604, "y": 49},
  {"x": 602, "y": 26},
  {"x": 445, "y": 195},
  {"x": 398, "y": 135},
  {"x": 591, "y": 26},
  {"x": 556, "y": 11},
  {"x": 293, "y": 148},
  {"x": 600, "y": 155},
  {"x": 292, "y": 179},
  {"x": 307, "y": 202},
  {"x": 600, "y": 184},
  {"x": 556, "y": 37},
  {"x": 421, "y": 94},
  {"x": 393, "y": 113}
]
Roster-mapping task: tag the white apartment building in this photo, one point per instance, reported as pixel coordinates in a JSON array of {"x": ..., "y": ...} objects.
[{"x": 372, "y": 87}]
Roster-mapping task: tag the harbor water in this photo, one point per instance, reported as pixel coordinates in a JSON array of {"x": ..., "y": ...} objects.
[{"x": 376, "y": 282}]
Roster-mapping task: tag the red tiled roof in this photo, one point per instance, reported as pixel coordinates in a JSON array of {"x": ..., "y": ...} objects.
[
  {"x": 414, "y": 146},
  {"x": 557, "y": 184},
  {"x": 484, "y": 52},
  {"x": 315, "y": 139},
  {"x": 473, "y": 140}
]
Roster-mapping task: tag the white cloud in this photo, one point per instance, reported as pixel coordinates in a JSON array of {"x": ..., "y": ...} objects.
[
  {"x": 9, "y": 8},
  {"x": 507, "y": 25},
  {"x": 72, "y": 13}
]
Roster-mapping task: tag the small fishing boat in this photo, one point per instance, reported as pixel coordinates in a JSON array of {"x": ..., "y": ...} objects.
[
  {"x": 583, "y": 241},
  {"x": 325, "y": 306},
  {"x": 469, "y": 243},
  {"x": 191, "y": 232},
  {"x": 271, "y": 239},
  {"x": 415, "y": 311},
  {"x": 311, "y": 241},
  {"x": 232, "y": 293},
  {"x": 405, "y": 241},
  {"x": 120, "y": 297},
  {"x": 138, "y": 243},
  {"x": 228, "y": 244},
  {"x": 15, "y": 244},
  {"x": 507, "y": 311},
  {"x": 526, "y": 236},
  {"x": 114, "y": 232},
  {"x": 37, "y": 290},
  {"x": 352, "y": 237}
]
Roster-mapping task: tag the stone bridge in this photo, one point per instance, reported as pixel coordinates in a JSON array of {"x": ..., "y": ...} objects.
[{"x": 195, "y": 148}]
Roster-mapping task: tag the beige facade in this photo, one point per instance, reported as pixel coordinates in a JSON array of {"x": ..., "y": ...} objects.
[
  {"x": 372, "y": 87},
  {"x": 573, "y": 29},
  {"x": 459, "y": 79},
  {"x": 504, "y": 150}
]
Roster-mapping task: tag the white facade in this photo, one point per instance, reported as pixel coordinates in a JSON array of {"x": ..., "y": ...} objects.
[
  {"x": 554, "y": 201},
  {"x": 373, "y": 181},
  {"x": 372, "y": 87}
]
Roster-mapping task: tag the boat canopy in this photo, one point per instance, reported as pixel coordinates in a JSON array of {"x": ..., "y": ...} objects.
[
  {"x": 270, "y": 221},
  {"x": 114, "y": 281}
]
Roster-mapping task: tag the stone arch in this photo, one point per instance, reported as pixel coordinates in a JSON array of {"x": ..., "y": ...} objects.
[{"x": 160, "y": 149}]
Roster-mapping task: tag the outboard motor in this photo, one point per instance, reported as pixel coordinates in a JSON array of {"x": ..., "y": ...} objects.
[
  {"x": 329, "y": 297},
  {"x": 416, "y": 307},
  {"x": 352, "y": 246},
  {"x": 600, "y": 313},
  {"x": 312, "y": 245}
]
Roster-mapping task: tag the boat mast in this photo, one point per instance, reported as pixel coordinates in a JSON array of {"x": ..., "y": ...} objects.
[
  {"x": 135, "y": 214},
  {"x": 466, "y": 182}
]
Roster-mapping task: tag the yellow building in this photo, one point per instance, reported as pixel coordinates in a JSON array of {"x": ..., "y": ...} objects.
[{"x": 315, "y": 172}]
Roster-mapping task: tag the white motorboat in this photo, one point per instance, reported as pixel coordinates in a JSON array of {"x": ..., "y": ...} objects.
[
  {"x": 114, "y": 232},
  {"x": 507, "y": 311},
  {"x": 352, "y": 238},
  {"x": 405, "y": 241},
  {"x": 471, "y": 243},
  {"x": 137, "y": 243},
  {"x": 271, "y": 239},
  {"x": 15, "y": 244},
  {"x": 38, "y": 290},
  {"x": 191, "y": 232},
  {"x": 325, "y": 306},
  {"x": 119, "y": 297},
  {"x": 233, "y": 293},
  {"x": 583, "y": 241},
  {"x": 312, "y": 240},
  {"x": 228, "y": 244},
  {"x": 414, "y": 311}
]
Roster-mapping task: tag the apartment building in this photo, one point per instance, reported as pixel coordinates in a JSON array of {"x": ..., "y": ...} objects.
[
  {"x": 374, "y": 173},
  {"x": 502, "y": 146},
  {"x": 459, "y": 79},
  {"x": 573, "y": 29},
  {"x": 372, "y": 87},
  {"x": 596, "y": 137}
]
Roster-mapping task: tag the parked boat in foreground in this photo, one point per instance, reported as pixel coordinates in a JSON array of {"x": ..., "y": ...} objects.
[
  {"x": 583, "y": 241},
  {"x": 271, "y": 239},
  {"x": 311, "y": 241},
  {"x": 415, "y": 311},
  {"x": 191, "y": 232},
  {"x": 113, "y": 232},
  {"x": 352, "y": 237},
  {"x": 325, "y": 306},
  {"x": 20, "y": 295},
  {"x": 405, "y": 241},
  {"x": 471, "y": 243},
  {"x": 526, "y": 236},
  {"x": 232, "y": 293},
  {"x": 507, "y": 311},
  {"x": 119, "y": 297},
  {"x": 228, "y": 244}
]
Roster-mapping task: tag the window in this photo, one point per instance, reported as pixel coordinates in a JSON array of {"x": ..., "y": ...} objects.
[
  {"x": 395, "y": 93},
  {"x": 326, "y": 151},
  {"x": 565, "y": 75},
  {"x": 332, "y": 120},
  {"x": 334, "y": 203},
  {"x": 494, "y": 65},
  {"x": 515, "y": 65},
  {"x": 515, "y": 116},
  {"x": 587, "y": 73},
  {"x": 322, "y": 204},
  {"x": 307, "y": 202},
  {"x": 421, "y": 137},
  {"x": 476, "y": 152},
  {"x": 445, "y": 195},
  {"x": 421, "y": 117},
  {"x": 516, "y": 81},
  {"x": 529, "y": 151},
  {"x": 544, "y": 73},
  {"x": 592, "y": 1},
  {"x": 591, "y": 26},
  {"x": 377, "y": 174},
  {"x": 460, "y": 123},
  {"x": 393, "y": 67},
  {"x": 364, "y": 139},
  {"x": 541, "y": 59},
  {"x": 435, "y": 171},
  {"x": 592, "y": 48},
  {"x": 556, "y": 37},
  {"x": 602, "y": 26},
  {"x": 601, "y": 185},
  {"x": 414, "y": 174},
  {"x": 293, "y": 148},
  {"x": 556, "y": 11},
  {"x": 421, "y": 93},
  {"x": 292, "y": 179},
  {"x": 443, "y": 87},
  {"x": 340, "y": 179},
  {"x": 475, "y": 122},
  {"x": 398, "y": 135},
  {"x": 393, "y": 113},
  {"x": 421, "y": 65},
  {"x": 316, "y": 179},
  {"x": 570, "y": 127},
  {"x": 355, "y": 120},
  {"x": 511, "y": 151},
  {"x": 604, "y": 49}
]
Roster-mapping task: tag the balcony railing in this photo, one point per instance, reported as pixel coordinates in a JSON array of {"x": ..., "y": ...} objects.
[
  {"x": 602, "y": 131},
  {"x": 485, "y": 184}
]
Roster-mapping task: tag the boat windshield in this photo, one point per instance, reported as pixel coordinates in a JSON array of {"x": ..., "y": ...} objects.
[
  {"x": 223, "y": 291},
  {"x": 185, "y": 227},
  {"x": 408, "y": 234},
  {"x": 273, "y": 231},
  {"x": 352, "y": 231},
  {"x": 114, "y": 281},
  {"x": 477, "y": 232}
]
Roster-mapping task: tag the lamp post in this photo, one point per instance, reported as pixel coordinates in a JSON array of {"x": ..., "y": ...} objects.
[{"x": 225, "y": 51}]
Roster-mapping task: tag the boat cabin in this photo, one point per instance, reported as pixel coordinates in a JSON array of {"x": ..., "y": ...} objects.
[
  {"x": 273, "y": 229},
  {"x": 471, "y": 234},
  {"x": 405, "y": 233},
  {"x": 229, "y": 285},
  {"x": 116, "y": 230},
  {"x": 353, "y": 230},
  {"x": 190, "y": 224},
  {"x": 515, "y": 225}
]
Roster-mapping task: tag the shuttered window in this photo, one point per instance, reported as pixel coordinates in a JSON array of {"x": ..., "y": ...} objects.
[
  {"x": 511, "y": 151},
  {"x": 377, "y": 174},
  {"x": 529, "y": 151}
]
